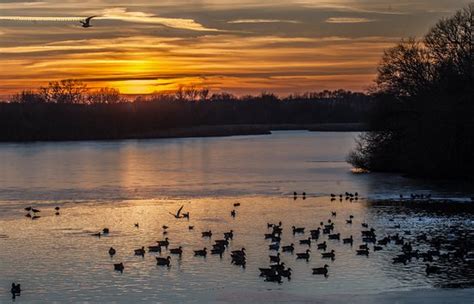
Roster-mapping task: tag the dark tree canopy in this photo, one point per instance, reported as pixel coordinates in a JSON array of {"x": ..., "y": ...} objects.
[{"x": 424, "y": 113}]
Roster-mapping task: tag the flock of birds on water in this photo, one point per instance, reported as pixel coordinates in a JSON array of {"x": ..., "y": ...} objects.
[{"x": 319, "y": 238}]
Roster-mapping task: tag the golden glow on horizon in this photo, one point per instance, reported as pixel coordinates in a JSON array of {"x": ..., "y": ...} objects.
[{"x": 148, "y": 47}]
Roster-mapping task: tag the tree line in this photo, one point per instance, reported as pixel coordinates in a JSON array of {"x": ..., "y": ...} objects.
[
  {"x": 68, "y": 110},
  {"x": 423, "y": 120}
]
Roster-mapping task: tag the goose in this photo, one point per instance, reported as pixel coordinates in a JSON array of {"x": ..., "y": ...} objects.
[
  {"x": 322, "y": 246},
  {"x": 286, "y": 273},
  {"x": 321, "y": 270},
  {"x": 178, "y": 213},
  {"x": 267, "y": 271},
  {"x": 178, "y": 250},
  {"x": 315, "y": 233},
  {"x": 190, "y": 227},
  {"x": 233, "y": 213},
  {"x": 239, "y": 261},
  {"x": 222, "y": 242},
  {"x": 206, "y": 233},
  {"x": 370, "y": 232},
  {"x": 154, "y": 248},
  {"x": 229, "y": 235},
  {"x": 164, "y": 243},
  {"x": 218, "y": 250},
  {"x": 119, "y": 267},
  {"x": 163, "y": 261},
  {"x": 276, "y": 239},
  {"x": 28, "y": 208},
  {"x": 364, "y": 246},
  {"x": 289, "y": 248},
  {"x": 35, "y": 210},
  {"x": 333, "y": 213},
  {"x": 35, "y": 217},
  {"x": 275, "y": 258},
  {"x": 28, "y": 215},
  {"x": 239, "y": 252},
  {"x": 348, "y": 240},
  {"x": 333, "y": 195},
  {"x": 336, "y": 236},
  {"x": 432, "y": 269},
  {"x": 274, "y": 246},
  {"x": 349, "y": 221},
  {"x": 105, "y": 231},
  {"x": 112, "y": 251},
  {"x": 165, "y": 227},
  {"x": 303, "y": 255},
  {"x": 87, "y": 22},
  {"x": 202, "y": 252},
  {"x": 378, "y": 248},
  {"x": 273, "y": 278},
  {"x": 56, "y": 208},
  {"x": 270, "y": 225},
  {"x": 236, "y": 204},
  {"x": 365, "y": 225},
  {"x": 297, "y": 230},
  {"x": 278, "y": 266},
  {"x": 15, "y": 290},
  {"x": 140, "y": 251},
  {"x": 328, "y": 255},
  {"x": 306, "y": 242},
  {"x": 363, "y": 252},
  {"x": 400, "y": 259}
]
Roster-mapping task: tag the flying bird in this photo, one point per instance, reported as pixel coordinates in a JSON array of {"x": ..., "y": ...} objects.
[
  {"x": 178, "y": 214},
  {"x": 87, "y": 22}
]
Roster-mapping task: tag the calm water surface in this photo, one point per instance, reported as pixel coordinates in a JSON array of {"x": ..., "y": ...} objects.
[{"x": 116, "y": 184}]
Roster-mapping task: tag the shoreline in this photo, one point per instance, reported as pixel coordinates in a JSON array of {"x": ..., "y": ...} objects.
[{"x": 210, "y": 131}]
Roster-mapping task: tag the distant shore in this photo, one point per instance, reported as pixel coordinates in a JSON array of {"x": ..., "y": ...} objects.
[{"x": 219, "y": 131}]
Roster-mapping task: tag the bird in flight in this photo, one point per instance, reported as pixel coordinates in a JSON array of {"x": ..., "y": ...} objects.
[
  {"x": 178, "y": 214},
  {"x": 87, "y": 22}
]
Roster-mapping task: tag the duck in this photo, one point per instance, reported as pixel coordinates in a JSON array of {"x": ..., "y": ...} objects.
[
  {"x": 289, "y": 248},
  {"x": 306, "y": 242},
  {"x": 297, "y": 230},
  {"x": 336, "y": 236},
  {"x": 202, "y": 252},
  {"x": 303, "y": 255},
  {"x": 119, "y": 267},
  {"x": 112, "y": 251},
  {"x": 321, "y": 270},
  {"x": 163, "y": 261},
  {"x": 275, "y": 258},
  {"x": 164, "y": 243},
  {"x": 178, "y": 250},
  {"x": 329, "y": 255},
  {"x": 322, "y": 245},
  {"x": 140, "y": 251},
  {"x": 154, "y": 248},
  {"x": 348, "y": 240}
]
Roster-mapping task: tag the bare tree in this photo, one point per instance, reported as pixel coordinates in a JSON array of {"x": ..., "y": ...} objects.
[
  {"x": 105, "y": 95},
  {"x": 64, "y": 91}
]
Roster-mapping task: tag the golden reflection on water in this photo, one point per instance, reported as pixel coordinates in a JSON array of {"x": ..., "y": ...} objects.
[{"x": 56, "y": 258}]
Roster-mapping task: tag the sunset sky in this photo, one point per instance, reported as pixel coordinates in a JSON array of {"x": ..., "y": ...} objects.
[{"x": 245, "y": 46}]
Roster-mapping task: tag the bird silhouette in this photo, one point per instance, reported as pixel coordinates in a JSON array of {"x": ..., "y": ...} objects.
[{"x": 87, "y": 22}]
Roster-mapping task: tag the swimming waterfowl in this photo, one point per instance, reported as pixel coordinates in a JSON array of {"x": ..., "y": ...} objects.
[
  {"x": 15, "y": 290},
  {"x": 186, "y": 215},
  {"x": 365, "y": 225},
  {"x": 233, "y": 213},
  {"x": 336, "y": 236},
  {"x": 321, "y": 270},
  {"x": 348, "y": 240},
  {"x": 333, "y": 195},
  {"x": 236, "y": 204},
  {"x": 140, "y": 251},
  {"x": 178, "y": 250},
  {"x": 35, "y": 210},
  {"x": 35, "y": 217},
  {"x": 190, "y": 227},
  {"x": 273, "y": 278},
  {"x": 297, "y": 230},
  {"x": 28, "y": 208},
  {"x": 218, "y": 250},
  {"x": 333, "y": 213},
  {"x": 329, "y": 255},
  {"x": 267, "y": 271},
  {"x": 105, "y": 231},
  {"x": 364, "y": 246},
  {"x": 289, "y": 248},
  {"x": 56, "y": 208},
  {"x": 202, "y": 252},
  {"x": 206, "y": 233},
  {"x": 164, "y": 227},
  {"x": 349, "y": 221},
  {"x": 363, "y": 252},
  {"x": 98, "y": 234},
  {"x": 306, "y": 242},
  {"x": 229, "y": 235},
  {"x": 274, "y": 246},
  {"x": 222, "y": 242},
  {"x": 275, "y": 258},
  {"x": 137, "y": 225},
  {"x": 378, "y": 248},
  {"x": 239, "y": 252},
  {"x": 119, "y": 267},
  {"x": 163, "y": 261},
  {"x": 112, "y": 251},
  {"x": 154, "y": 248},
  {"x": 303, "y": 255},
  {"x": 315, "y": 233},
  {"x": 278, "y": 266},
  {"x": 322, "y": 245},
  {"x": 286, "y": 273},
  {"x": 164, "y": 243}
]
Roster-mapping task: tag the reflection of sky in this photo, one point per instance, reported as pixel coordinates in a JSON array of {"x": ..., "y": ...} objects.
[{"x": 282, "y": 46}]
